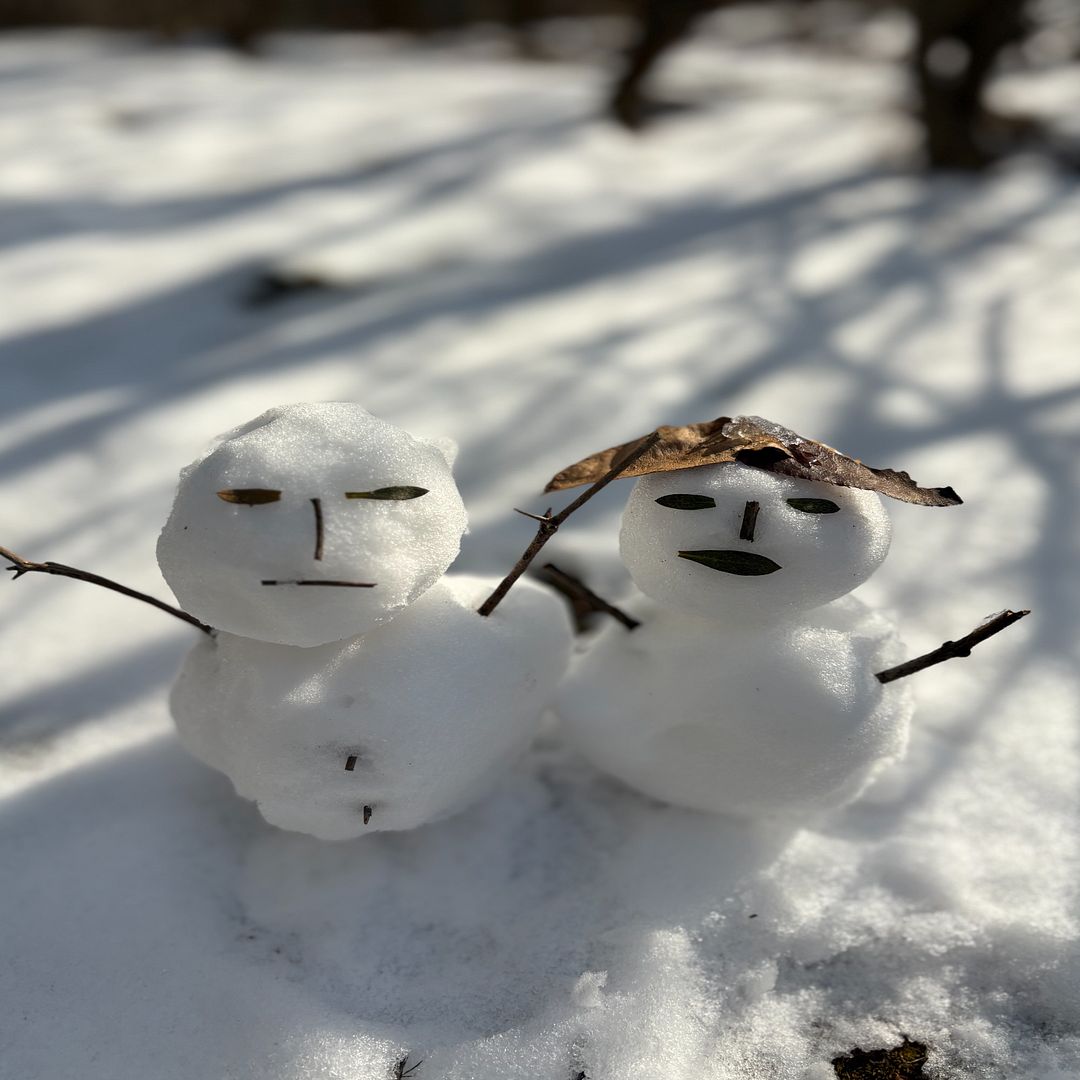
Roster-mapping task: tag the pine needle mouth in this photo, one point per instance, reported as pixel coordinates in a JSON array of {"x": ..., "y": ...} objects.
[
  {"x": 742, "y": 563},
  {"x": 323, "y": 582}
]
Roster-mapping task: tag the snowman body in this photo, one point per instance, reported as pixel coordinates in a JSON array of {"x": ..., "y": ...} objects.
[
  {"x": 350, "y": 686},
  {"x": 391, "y": 729},
  {"x": 748, "y": 688},
  {"x": 759, "y": 721}
]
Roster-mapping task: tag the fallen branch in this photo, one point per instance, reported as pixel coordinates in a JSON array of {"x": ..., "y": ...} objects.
[
  {"x": 25, "y": 566},
  {"x": 549, "y": 524},
  {"x": 951, "y": 650},
  {"x": 582, "y": 599}
]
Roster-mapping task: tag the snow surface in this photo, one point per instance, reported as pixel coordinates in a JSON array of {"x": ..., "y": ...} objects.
[{"x": 518, "y": 276}]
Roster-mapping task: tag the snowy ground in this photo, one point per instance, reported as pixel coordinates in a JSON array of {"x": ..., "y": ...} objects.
[{"x": 521, "y": 277}]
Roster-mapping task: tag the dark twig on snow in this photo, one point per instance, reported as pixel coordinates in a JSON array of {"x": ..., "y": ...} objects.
[
  {"x": 749, "y": 521},
  {"x": 25, "y": 566},
  {"x": 403, "y": 1069},
  {"x": 549, "y": 525},
  {"x": 317, "y": 505},
  {"x": 950, "y": 650},
  {"x": 582, "y": 598}
]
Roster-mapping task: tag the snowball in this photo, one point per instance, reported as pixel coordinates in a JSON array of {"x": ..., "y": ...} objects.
[
  {"x": 427, "y": 711},
  {"x": 752, "y": 720},
  {"x": 797, "y": 559},
  {"x": 265, "y": 542}
]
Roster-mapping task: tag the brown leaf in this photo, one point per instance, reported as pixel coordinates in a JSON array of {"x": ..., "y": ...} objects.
[
  {"x": 750, "y": 440},
  {"x": 249, "y": 496},
  {"x": 903, "y": 1062}
]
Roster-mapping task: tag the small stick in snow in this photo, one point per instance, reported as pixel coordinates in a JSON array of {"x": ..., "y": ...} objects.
[
  {"x": 583, "y": 598},
  {"x": 320, "y": 581},
  {"x": 749, "y": 521},
  {"x": 549, "y": 524},
  {"x": 367, "y": 814},
  {"x": 25, "y": 566},
  {"x": 952, "y": 649},
  {"x": 401, "y": 1071},
  {"x": 317, "y": 504},
  {"x": 350, "y": 764}
]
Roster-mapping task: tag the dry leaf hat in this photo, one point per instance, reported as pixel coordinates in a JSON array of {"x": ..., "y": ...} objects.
[{"x": 762, "y": 444}]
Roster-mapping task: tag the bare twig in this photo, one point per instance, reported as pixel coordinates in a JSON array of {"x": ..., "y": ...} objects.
[
  {"x": 749, "y": 521},
  {"x": 403, "y": 1069},
  {"x": 25, "y": 566},
  {"x": 550, "y": 525},
  {"x": 322, "y": 582},
  {"x": 317, "y": 504},
  {"x": 582, "y": 598},
  {"x": 545, "y": 516},
  {"x": 950, "y": 650}
]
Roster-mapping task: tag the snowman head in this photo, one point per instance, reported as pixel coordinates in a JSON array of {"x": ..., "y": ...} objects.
[
  {"x": 310, "y": 524},
  {"x": 736, "y": 542}
]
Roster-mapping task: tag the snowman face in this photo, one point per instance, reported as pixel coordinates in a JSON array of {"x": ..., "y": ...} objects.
[
  {"x": 311, "y": 524},
  {"x": 734, "y": 542}
]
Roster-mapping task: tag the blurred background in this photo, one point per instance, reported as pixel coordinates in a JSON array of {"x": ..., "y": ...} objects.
[
  {"x": 543, "y": 228},
  {"x": 540, "y": 227},
  {"x": 537, "y": 226}
]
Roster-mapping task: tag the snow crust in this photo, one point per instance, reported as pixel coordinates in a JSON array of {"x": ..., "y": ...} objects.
[
  {"x": 512, "y": 273},
  {"x": 237, "y": 565},
  {"x": 430, "y": 709}
]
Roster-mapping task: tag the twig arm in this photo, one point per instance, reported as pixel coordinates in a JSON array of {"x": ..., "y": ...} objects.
[
  {"x": 583, "y": 599},
  {"x": 951, "y": 650},
  {"x": 25, "y": 566},
  {"x": 549, "y": 525}
]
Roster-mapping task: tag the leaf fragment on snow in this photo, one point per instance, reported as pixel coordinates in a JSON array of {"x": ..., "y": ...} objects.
[
  {"x": 814, "y": 506},
  {"x": 734, "y": 561},
  {"x": 687, "y": 502},
  {"x": 249, "y": 496},
  {"x": 398, "y": 493}
]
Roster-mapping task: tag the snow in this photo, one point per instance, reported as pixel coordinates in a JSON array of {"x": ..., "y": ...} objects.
[
  {"x": 391, "y": 729},
  {"x": 514, "y": 274},
  {"x": 297, "y": 495}
]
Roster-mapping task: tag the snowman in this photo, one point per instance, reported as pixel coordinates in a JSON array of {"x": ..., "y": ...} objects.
[
  {"x": 348, "y": 686},
  {"x": 748, "y": 688}
]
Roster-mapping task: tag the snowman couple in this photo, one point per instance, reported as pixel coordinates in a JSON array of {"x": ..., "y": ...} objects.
[{"x": 350, "y": 686}]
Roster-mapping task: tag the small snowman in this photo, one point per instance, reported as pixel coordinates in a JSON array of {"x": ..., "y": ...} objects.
[
  {"x": 749, "y": 686},
  {"x": 344, "y": 684},
  {"x": 349, "y": 686}
]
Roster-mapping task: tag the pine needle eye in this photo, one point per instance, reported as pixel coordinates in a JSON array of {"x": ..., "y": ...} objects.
[
  {"x": 814, "y": 506},
  {"x": 397, "y": 494},
  {"x": 249, "y": 496},
  {"x": 687, "y": 502}
]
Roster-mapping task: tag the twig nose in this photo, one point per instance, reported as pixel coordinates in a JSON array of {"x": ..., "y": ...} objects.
[
  {"x": 317, "y": 505},
  {"x": 749, "y": 521}
]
